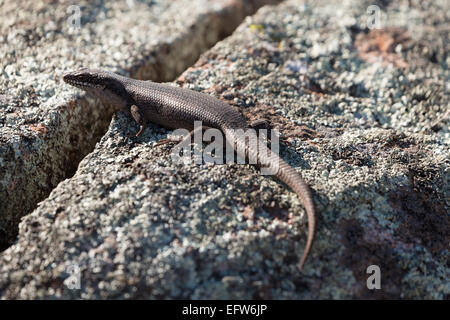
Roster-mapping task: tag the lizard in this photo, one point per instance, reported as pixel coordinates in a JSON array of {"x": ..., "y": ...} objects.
[{"x": 175, "y": 107}]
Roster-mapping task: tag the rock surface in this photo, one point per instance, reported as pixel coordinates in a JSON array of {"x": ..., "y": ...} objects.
[
  {"x": 46, "y": 127},
  {"x": 363, "y": 117}
]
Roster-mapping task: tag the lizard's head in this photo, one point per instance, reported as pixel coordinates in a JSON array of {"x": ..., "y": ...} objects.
[
  {"x": 86, "y": 78},
  {"x": 106, "y": 85}
]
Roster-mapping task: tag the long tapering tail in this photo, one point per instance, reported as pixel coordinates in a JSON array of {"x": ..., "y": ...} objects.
[
  {"x": 293, "y": 179},
  {"x": 284, "y": 172}
]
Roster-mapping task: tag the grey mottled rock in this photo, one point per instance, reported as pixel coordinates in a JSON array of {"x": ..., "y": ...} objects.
[
  {"x": 369, "y": 136},
  {"x": 46, "y": 127}
]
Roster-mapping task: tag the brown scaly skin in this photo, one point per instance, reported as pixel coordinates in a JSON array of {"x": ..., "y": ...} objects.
[{"x": 176, "y": 107}]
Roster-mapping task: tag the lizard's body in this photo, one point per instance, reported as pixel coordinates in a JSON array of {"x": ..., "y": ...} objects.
[{"x": 176, "y": 107}]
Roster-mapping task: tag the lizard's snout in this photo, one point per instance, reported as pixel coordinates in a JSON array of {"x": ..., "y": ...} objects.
[
  {"x": 66, "y": 77},
  {"x": 81, "y": 78},
  {"x": 76, "y": 75},
  {"x": 69, "y": 77}
]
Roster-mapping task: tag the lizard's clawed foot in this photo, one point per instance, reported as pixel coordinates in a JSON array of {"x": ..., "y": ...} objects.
[{"x": 141, "y": 129}]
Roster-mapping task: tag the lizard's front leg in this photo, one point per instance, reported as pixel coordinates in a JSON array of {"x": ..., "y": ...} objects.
[{"x": 138, "y": 116}]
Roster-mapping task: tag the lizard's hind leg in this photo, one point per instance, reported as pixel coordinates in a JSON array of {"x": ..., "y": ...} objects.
[
  {"x": 187, "y": 139},
  {"x": 262, "y": 124}
]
